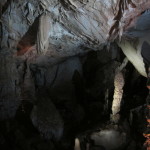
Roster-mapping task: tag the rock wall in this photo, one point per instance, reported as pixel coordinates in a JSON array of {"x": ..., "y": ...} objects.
[{"x": 52, "y": 68}]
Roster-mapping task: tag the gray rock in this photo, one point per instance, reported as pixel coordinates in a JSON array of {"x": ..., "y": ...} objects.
[
  {"x": 47, "y": 119},
  {"x": 9, "y": 85},
  {"x": 110, "y": 139},
  {"x": 61, "y": 85}
]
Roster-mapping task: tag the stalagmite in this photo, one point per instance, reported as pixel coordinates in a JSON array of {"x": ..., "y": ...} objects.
[
  {"x": 118, "y": 92},
  {"x": 77, "y": 144}
]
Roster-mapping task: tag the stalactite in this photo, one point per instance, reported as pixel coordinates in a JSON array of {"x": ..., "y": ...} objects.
[
  {"x": 133, "y": 55},
  {"x": 43, "y": 33}
]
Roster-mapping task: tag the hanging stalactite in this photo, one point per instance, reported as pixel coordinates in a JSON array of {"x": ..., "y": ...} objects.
[{"x": 43, "y": 33}]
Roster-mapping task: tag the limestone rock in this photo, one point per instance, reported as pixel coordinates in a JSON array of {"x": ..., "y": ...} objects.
[
  {"x": 9, "y": 85},
  {"x": 47, "y": 119}
]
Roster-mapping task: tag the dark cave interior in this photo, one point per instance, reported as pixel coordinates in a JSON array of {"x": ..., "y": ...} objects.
[
  {"x": 86, "y": 109},
  {"x": 74, "y": 75}
]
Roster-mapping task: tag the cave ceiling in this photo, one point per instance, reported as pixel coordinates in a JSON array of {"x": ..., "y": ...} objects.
[{"x": 70, "y": 27}]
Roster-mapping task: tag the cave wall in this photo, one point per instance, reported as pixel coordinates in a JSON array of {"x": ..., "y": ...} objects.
[{"x": 58, "y": 65}]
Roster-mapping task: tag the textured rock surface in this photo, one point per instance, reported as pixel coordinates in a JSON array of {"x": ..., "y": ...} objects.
[
  {"x": 46, "y": 73},
  {"x": 16, "y": 21},
  {"x": 9, "y": 84},
  {"x": 75, "y": 25},
  {"x": 47, "y": 119}
]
